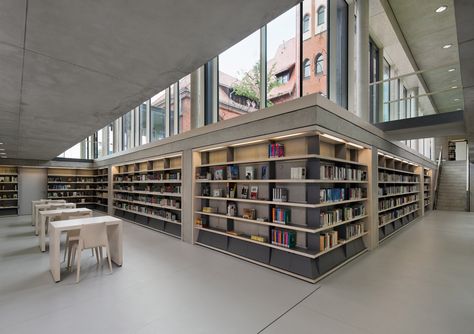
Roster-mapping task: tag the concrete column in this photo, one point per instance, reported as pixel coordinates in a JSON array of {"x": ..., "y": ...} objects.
[
  {"x": 197, "y": 98},
  {"x": 187, "y": 216},
  {"x": 414, "y": 112},
  {"x": 362, "y": 64}
]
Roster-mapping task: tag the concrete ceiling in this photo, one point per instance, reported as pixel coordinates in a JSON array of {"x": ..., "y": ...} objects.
[{"x": 69, "y": 68}]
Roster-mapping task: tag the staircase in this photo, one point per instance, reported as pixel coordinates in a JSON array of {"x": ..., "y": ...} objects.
[{"x": 452, "y": 186}]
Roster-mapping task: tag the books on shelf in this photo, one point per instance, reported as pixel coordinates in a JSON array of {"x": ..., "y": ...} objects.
[
  {"x": 298, "y": 173},
  {"x": 394, "y": 190},
  {"x": 232, "y": 209},
  {"x": 209, "y": 209},
  {"x": 280, "y": 195},
  {"x": 388, "y": 203},
  {"x": 283, "y": 238},
  {"x": 329, "y": 195},
  {"x": 328, "y": 240},
  {"x": 219, "y": 173},
  {"x": 258, "y": 238},
  {"x": 335, "y": 216},
  {"x": 392, "y": 177},
  {"x": 394, "y": 214},
  {"x": 249, "y": 213},
  {"x": 250, "y": 173},
  {"x": 330, "y": 171},
  {"x": 254, "y": 192},
  {"x": 232, "y": 172},
  {"x": 281, "y": 215},
  {"x": 276, "y": 150},
  {"x": 351, "y": 230},
  {"x": 264, "y": 172},
  {"x": 8, "y": 179},
  {"x": 244, "y": 192}
]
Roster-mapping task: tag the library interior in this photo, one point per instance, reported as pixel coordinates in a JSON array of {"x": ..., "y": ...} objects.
[{"x": 220, "y": 166}]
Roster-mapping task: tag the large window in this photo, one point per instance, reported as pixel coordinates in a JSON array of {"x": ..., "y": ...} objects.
[
  {"x": 100, "y": 143},
  {"x": 110, "y": 138},
  {"x": 184, "y": 123},
  {"x": 374, "y": 76},
  {"x": 239, "y": 78},
  {"x": 127, "y": 135},
  {"x": 172, "y": 97},
  {"x": 158, "y": 110},
  {"x": 314, "y": 45},
  {"x": 143, "y": 115},
  {"x": 386, "y": 91},
  {"x": 282, "y": 58}
]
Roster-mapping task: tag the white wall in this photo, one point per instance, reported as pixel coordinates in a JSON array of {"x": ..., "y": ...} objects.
[{"x": 32, "y": 185}]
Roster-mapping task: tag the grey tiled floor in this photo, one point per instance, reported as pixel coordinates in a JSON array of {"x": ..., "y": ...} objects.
[{"x": 417, "y": 282}]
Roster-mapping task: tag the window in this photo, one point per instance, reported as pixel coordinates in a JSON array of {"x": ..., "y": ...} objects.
[
  {"x": 110, "y": 139},
  {"x": 283, "y": 72},
  {"x": 172, "y": 97},
  {"x": 306, "y": 69},
  {"x": 319, "y": 64},
  {"x": 374, "y": 76},
  {"x": 341, "y": 56},
  {"x": 239, "y": 78},
  {"x": 127, "y": 136},
  {"x": 143, "y": 115},
  {"x": 386, "y": 91},
  {"x": 321, "y": 15},
  {"x": 185, "y": 104},
  {"x": 158, "y": 109},
  {"x": 314, "y": 45},
  {"x": 100, "y": 143},
  {"x": 306, "y": 23}
]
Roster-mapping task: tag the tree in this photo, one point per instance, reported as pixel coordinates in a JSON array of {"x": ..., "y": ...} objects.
[{"x": 249, "y": 85}]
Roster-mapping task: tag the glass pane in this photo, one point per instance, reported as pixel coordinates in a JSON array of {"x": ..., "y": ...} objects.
[
  {"x": 172, "y": 108},
  {"x": 142, "y": 110},
  {"x": 282, "y": 53},
  {"x": 315, "y": 46},
  {"x": 341, "y": 54},
  {"x": 100, "y": 151},
  {"x": 158, "y": 109},
  {"x": 74, "y": 152},
  {"x": 239, "y": 78},
  {"x": 127, "y": 131},
  {"x": 386, "y": 91},
  {"x": 185, "y": 104},
  {"x": 110, "y": 139}
]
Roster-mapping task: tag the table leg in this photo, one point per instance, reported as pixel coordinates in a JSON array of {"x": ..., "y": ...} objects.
[
  {"x": 115, "y": 235},
  {"x": 54, "y": 260},
  {"x": 36, "y": 221},
  {"x": 42, "y": 233}
]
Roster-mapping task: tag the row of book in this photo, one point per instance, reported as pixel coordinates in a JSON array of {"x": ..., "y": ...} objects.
[
  {"x": 276, "y": 150},
  {"x": 70, "y": 194},
  {"x": 333, "y": 172},
  {"x": 12, "y": 197},
  {"x": 176, "y": 176},
  {"x": 393, "y": 190},
  {"x": 352, "y": 230},
  {"x": 391, "y": 215},
  {"x": 328, "y": 240},
  {"x": 74, "y": 179},
  {"x": 283, "y": 238},
  {"x": 390, "y": 177},
  {"x": 280, "y": 195},
  {"x": 68, "y": 186},
  {"x": 395, "y": 201},
  {"x": 8, "y": 179},
  {"x": 150, "y": 200},
  {"x": 149, "y": 211},
  {"x": 8, "y": 187},
  {"x": 158, "y": 189},
  {"x": 328, "y": 218},
  {"x": 328, "y": 195},
  {"x": 281, "y": 216}
]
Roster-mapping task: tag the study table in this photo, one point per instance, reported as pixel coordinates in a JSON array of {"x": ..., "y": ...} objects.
[
  {"x": 42, "y": 201},
  {"x": 47, "y": 215},
  {"x": 114, "y": 233},
  {"x": 49, "y": 206}
]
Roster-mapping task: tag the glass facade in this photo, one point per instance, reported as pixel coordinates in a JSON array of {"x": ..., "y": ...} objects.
[
  {"x": 184, "y": 114},
  {"x": 127, "y": 135},
  {"x": 158, "y": 116},
  {"x": 143, "y": 122}
]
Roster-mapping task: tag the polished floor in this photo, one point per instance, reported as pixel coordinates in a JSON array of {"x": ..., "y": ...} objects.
[{"x": 420, "y": 281}]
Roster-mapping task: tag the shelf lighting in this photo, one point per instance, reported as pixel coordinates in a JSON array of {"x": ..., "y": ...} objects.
[
  {"x": 398, "y": 159},
  {"x": 248, "y": 143},
  {"x": 441, "y": 9},
  {"x": 171, "y": 156},
  {"x": 454, "y": 87},
  {"x": 332, "y": 137},
  {"x": 355, "y": 145},
  {"x": 381, "y": 154},
  {"x": 213, "y": 149},
  {"x": 451, "y": 70},
  {"x": 388, "y": 156},
  {"x": 447, "y": 46},
  {"x": 288, "y": 136}
]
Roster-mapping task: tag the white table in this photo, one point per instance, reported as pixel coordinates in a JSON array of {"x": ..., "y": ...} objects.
[
  {"x": 49, "y": 206},
  {"x": 114, "y": 233},
  {"x": 47, "y": 215},
  {"x": 41, "y": 201}
]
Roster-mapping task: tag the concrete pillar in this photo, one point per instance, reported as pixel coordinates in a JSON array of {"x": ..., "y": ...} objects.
[
  {"x": 197, "y": 98},
  {"x": 362, "y": 64}
]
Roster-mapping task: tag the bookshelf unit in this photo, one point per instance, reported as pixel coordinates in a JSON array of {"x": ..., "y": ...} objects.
[
  {"x": 296, "y": 203},
  {"x": 85, "y": 187},
  {"x": 149, "y": 193},
  {"x": 399, "y": 195},
  {"x": 427, "y": 191},
  {"x": 8, "y": 191}
]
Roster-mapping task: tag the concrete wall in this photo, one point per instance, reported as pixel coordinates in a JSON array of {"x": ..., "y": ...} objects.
[{"x": 32, "y": 185}]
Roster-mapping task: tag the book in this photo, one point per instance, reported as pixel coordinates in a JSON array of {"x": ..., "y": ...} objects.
[
  {"x": 219, "y": 173},
  {"x": 244, "y": 192},
  {"x": 249, "y": 213},
  {"x": 264, "y": 172},
  {"x": 298, "y": 173},
  {"x": 276, "y": 150},
  {"x": 280, "y": 195},
  {"x": 232, "y": 172},
  {"x": 253, "y": 192},
  {"x": 232, "y": 209},
  {"x": 231, "y": 190},
  {"x": 250, "y": 173}
]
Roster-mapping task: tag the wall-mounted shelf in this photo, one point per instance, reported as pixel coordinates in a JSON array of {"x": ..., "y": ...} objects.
[{"x": 8, "y": 191}]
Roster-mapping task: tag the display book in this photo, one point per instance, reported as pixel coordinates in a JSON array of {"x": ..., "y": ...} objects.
[
  {"x": 398, "y": 193},
  {"x": 427, "y": 176},
  {"x": 302, "y": 197},
  {"x": 83, "y": 186},
  {"x": 148, "y": 192},
  {"x": 8, "y": 190}
]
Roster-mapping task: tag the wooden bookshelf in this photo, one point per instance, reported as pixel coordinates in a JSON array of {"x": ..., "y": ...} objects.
[
  {"x": 148, "y": 193},
  {"x": 8, "y": 191},
  {"x": 87, "y": 187},
  {"x": 278, "y": 211},
  {"x": 399, "y": 195},
  {"x": 427, "y": 188}
]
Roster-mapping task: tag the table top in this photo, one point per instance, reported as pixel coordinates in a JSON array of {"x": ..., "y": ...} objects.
[
  {"x": 75, "y": 223},
  {"x": 59, "y": 211},
  {"x": 41, "y": 206},
  {"x": 45, "y": 201}
]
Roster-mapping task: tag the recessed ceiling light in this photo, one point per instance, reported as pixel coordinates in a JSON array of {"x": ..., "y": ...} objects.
[
  {"x": 454, "y": 87},
  {"x": 441, "y": 9},
  {"x": 456, "y": 99},
  {"x": 447, "y": 46},
  {"x": 451, "y": 70},
  {"x": 2, "y": 153}
]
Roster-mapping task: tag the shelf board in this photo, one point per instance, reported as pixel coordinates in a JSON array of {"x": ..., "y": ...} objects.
[
  {"x": 391, "y": 221},
  {"x": 398, "y": 206},
  {"x": 149, "y": 171},
  {"x": 151, "y": 216},
  {"x": 1, "y": 182},
  {"x": 8, "y": 207},
  {"x": 65, "y": 190},
  {"x": 8, "y": 199},
  {"x": 8, "y": 191},
  {"x": 8, "y": 174},
  {"x": 279, "y": 181},
  {"x": 299, "y": 205},
  {"x": 148, "y": 204},
  {"x": 72, "y": 182},
  {"x": 397, "y": 170},
  {"x": 396, "y": 182},
  {"x": 286, "y": 158},
  {"x": 62, "y": 197},
  {"x": 296, "y": 250},
  {"x": 401, "y": 194},
  {"x": 148, "y": 181},
  {"x": 147, "y": 193},
  {"x": 283, "y": 226}
]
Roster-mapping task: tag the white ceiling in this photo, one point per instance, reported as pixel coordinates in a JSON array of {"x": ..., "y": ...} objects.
[{"x": 69, "y": 68}]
